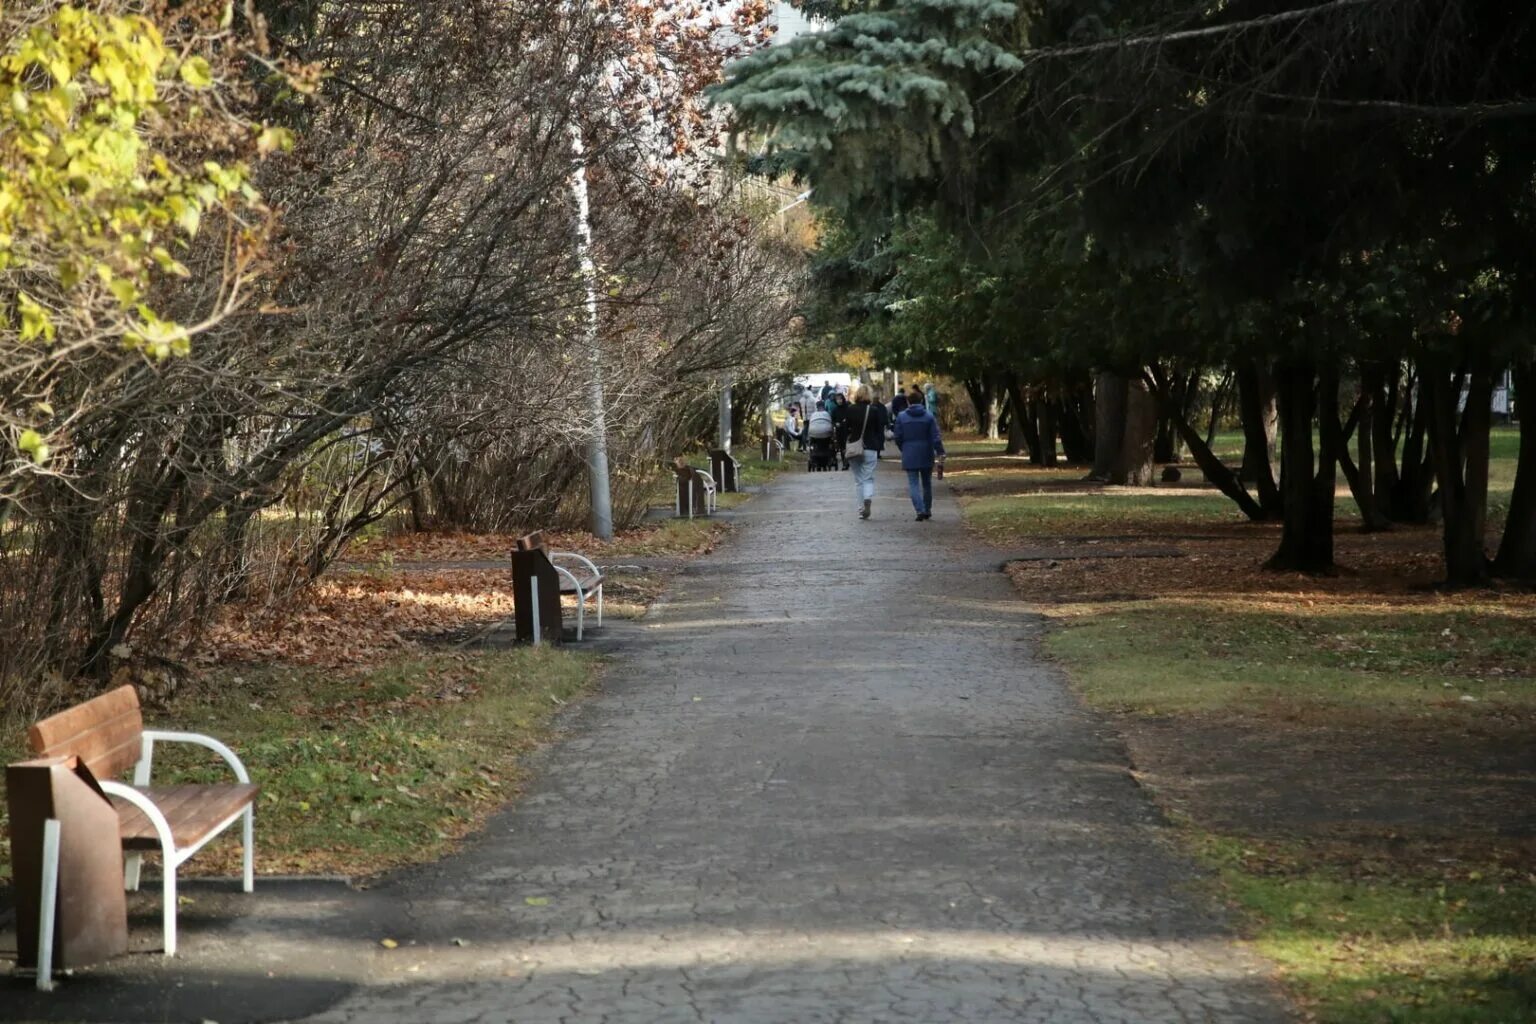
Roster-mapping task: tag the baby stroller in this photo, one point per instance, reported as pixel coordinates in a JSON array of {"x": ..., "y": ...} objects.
[{"x": 821, "y": 445}]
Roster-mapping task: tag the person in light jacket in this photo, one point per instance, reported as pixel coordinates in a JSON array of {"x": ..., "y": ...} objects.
[
  {"x": 916, "y": 433},
  {"x": 793, "y": 430},
  {"x": 868, "y": 416}
]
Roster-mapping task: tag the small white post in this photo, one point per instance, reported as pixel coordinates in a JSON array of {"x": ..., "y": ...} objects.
[
  {"x": 533, "y": 589},
  {"x": 248, "y": 864},
  {"x": 49, "y": 905}
]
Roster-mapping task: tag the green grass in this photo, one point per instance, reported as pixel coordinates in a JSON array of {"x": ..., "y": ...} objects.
[
  {"x": 1395, "y": 950},
  {"x": 1005, "y": 517},
  {"x": 1030, "y": 512},
  {"x": 368, "y": 770},
  {"x": 663, "y": 537},
  {"x": 1170, "y": 658},
  {"x": 1389, "y": 944},
  {"x": 1369, "y": 935}
]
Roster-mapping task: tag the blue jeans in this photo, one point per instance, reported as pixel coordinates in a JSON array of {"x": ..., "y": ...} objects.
[
  {"x": 920, "y": 488},
  {"x": 864, "y": 475}
]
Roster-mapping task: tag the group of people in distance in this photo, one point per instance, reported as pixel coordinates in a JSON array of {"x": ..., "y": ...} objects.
[{"x": 909, "y": 423}]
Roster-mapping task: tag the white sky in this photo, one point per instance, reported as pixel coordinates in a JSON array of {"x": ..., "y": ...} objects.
[{"x": 791, "y": 22}]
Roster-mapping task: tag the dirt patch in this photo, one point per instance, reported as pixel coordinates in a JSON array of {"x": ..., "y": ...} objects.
[
  {"x": 1359, "y": 787},
  {"x": 1422, "y": 786}
]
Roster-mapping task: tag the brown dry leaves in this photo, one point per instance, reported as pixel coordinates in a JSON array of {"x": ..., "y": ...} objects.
[{"x": 358, "y": 618}]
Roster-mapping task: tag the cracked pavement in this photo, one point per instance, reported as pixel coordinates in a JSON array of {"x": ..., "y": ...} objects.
[{"x": 828, "y": 779}]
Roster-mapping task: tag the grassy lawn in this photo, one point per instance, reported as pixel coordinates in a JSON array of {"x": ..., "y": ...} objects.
[
  {"x": 1005, "y": 518},
  {"x": 1350, "y": 756},
  {"x": 365, "y": 770},
  {"x": 1406, "y": 948},
  {"x": 1179, "y": 655},
  {"x": 1007, "y": 500}
]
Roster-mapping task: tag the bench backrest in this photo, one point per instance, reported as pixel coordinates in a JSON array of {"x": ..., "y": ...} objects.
[{"x": 105, "y": 733}]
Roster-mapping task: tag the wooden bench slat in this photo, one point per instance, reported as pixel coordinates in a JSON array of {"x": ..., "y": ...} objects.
[
  {"x": 103, "y": 732},
  {"x": 192, "y": 812},
  {"x": 567, "y": 587}
]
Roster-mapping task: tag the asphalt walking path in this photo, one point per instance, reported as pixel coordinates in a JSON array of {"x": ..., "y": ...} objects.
[{"x": 828, "y": 779}]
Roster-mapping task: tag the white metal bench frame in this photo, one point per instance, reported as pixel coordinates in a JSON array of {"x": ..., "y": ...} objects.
[
  {"x": 171, "y": 855},
  {"x": 592, "y": 585}
]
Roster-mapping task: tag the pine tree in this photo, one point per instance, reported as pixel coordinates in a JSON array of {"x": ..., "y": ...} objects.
[{"x": 875, "y": 109}]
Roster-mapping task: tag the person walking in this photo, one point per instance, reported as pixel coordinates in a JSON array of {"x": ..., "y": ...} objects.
[
  {"x": 793, "y": 430},
  {"x": 898, "y": 404},
  {"x": 916, "y": 433},
  {"x": 862, "y": 436}
]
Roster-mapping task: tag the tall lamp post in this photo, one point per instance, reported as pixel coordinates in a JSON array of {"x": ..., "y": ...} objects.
[{"x": 597, "y": 437}]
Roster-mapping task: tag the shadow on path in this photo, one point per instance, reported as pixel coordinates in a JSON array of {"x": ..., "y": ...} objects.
[{"x": 829, "y": 779}]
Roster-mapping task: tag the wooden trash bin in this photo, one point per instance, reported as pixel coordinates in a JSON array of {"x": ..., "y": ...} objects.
[
  {"x": 695, "y": 490},
  {"x": 90, "y": 920},
  {"x": 535, "y": 592}
]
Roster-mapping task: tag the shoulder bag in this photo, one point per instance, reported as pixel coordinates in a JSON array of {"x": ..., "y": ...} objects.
[{"x": 855, "y": 446}]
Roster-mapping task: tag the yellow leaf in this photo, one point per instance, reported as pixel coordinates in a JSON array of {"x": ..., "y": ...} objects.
[
  {"x": 388, "y": 943},
  {"x": 274, "y": 139},
  {"x": 536, "y": 901},
  {"x": 32, "y": 443},
  {"x": 196, "y": 72},
  {"x": 35, "y": 321}
]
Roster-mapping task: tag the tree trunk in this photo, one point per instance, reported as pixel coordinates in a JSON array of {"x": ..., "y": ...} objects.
[
  {"x": 1306, "y": 536},
  {"x": 1220, "y": 398},
  {"x": 1024, "y": 418},
  {"x": 1362, "y": 477},
  {"x": 1109, "y": 399},
  {"x": 994, "y": 409},
  {"x": 1382, "y": 383},
  {"x": 1076, "y": 445},
  {"x": 1517, "y": 548},
  {"x": 1163, "y": 441},
  {"x": 1018, "y": 421},
  {"x": 1136, "y": 458},
  {"x": 1460, "y": 449},
  {"x": 1046, "y": 417},
  {"x": 1256, "y": 410},
  {"x": 981, "y": 402},
  {"x": 1415, "y": 477},
  {"x": 141, "y": 576},
  {"x": 1214, "y": 469}
]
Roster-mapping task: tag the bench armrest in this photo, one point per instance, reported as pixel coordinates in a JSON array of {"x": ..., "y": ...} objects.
[
  {"x": 153, "y": 736},
  {"x": 582, "y": 559},
  {"x": 112, "y": 787},
  {"x": 581, "y": 592}
]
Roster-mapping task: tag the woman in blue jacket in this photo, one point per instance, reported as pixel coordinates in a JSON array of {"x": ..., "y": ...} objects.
[{"x": 916, "y": 433}]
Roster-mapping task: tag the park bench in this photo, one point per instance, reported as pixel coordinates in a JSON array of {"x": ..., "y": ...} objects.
[
  {"x": 773, "y": 448},
  {"x": 695, "y": 490},
  {"x": 540, "y": 577},
  {"x": 106, "y": 735},
  {"x": 726, "y": 470}
]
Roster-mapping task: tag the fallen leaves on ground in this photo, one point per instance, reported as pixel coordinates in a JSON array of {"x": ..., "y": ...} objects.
[
  {"x": 357, "y": 618},
  {"x": 405, "y": 590}
]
